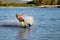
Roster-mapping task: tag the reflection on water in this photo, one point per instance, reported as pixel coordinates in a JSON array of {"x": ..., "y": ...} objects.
[{"x": 23, "y": 32}]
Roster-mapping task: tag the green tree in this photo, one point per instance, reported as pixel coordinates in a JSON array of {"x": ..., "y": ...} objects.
[
  {"x": 54, "y": 2},
  {"x": 7, "y": 2},
  {"x": 58, "y": 2},
  {"x": 37, "y": 2},
  {"x": 0, "y": 2},
  {"x": 48, "y": 2},
  {"x": 43, "y": 2}
]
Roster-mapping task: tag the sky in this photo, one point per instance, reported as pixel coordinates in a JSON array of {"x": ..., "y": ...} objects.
[
  {"x": 27, "y": 0},
  {"x": 18, "y": 1}
]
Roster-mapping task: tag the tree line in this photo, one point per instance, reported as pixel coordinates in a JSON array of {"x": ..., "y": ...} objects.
[
  {"x": 45, "y": 2},
  {"x": 31, "y": 3}
]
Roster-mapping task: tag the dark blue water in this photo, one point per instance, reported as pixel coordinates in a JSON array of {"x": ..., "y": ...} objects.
[{"x": 46, "y": 24}]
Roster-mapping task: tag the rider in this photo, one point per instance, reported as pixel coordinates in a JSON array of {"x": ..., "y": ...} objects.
[{"x": 22, "y": 21}]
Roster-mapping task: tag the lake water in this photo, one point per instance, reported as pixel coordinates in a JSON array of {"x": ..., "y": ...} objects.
[{"x": 46, "y": 24}]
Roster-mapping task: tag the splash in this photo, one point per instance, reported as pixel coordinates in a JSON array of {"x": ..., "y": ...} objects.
[{"x": 15, "y": 22}]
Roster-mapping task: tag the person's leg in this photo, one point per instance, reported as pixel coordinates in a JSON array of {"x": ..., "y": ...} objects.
[{"x": 29, "y": 25}]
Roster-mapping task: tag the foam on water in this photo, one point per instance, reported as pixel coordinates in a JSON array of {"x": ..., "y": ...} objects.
[{"x": 15, "y": 22}]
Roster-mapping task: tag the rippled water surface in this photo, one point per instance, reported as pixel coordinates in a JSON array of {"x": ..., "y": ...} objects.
[{"x": 46, "y": 24}]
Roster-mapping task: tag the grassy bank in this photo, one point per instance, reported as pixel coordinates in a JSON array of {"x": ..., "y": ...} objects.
[{"x": 17, "y": 5}]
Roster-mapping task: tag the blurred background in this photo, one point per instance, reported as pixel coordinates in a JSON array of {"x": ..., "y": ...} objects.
[{"x": 28, "y": 3}]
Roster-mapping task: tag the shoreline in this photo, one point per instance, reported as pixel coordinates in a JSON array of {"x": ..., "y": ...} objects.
[
  {"x": 41, "y": 6},
  {"x": 15, "y": 7},
  {"x": 49, "y": 6}
]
